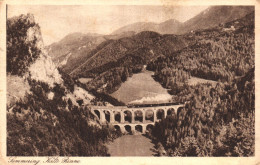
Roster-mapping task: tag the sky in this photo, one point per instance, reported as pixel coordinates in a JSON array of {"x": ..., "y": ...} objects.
[{"x": 58, "y": 21}]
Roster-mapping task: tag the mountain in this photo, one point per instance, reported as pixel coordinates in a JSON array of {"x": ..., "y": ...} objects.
[
  {"x": 208, "y": 18},
  {"x": 75, "y": 48},
  {"x": 125, "y": 51},
  {"x": 116, "y": 49},
  {"x": 218, "y": 54},
  {"x": 45, "y": 116},
  {"x": 143, "y": 46},
  {"x": 213, "y": 16},
  {"x": 168, "y": 27}
]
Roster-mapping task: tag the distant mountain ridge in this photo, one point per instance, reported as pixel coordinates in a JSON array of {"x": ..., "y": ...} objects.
[
  {"x": 208, "y": 18},
  {"x": 215, "y": 15},
  {"x": 168, "y": 27}
]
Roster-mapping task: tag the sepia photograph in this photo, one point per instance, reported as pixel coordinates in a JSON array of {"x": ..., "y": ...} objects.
[{"x": 130, "y": 81}]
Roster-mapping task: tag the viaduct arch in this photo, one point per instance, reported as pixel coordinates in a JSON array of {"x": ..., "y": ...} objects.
[{"x": 136, "y": 119}]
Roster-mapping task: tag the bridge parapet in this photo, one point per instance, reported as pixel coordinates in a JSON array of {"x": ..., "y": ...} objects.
[{"x": 121, "y": 108}]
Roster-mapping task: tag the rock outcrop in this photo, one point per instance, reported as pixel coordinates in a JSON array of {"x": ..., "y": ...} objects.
[
  {"x": 44, "y": 117},
  {"x": 26, "y": 55}
]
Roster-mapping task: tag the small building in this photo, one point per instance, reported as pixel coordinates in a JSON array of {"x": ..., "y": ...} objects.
[{"x": 232, "y": 28}]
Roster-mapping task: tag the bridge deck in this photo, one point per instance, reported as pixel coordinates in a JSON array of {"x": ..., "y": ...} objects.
[
  {"x": 128, "y": 123},
  {"x": 126, "y": 107}
]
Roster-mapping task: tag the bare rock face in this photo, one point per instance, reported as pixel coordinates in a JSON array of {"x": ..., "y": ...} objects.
[
  {"x": 26, "y": 55},
  {"x": 45, "y": 70}
]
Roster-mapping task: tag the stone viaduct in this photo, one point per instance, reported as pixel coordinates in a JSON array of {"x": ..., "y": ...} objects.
[{"x": 132, "y": 119}]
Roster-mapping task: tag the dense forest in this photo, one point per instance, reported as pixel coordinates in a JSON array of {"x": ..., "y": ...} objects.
[
  {"x": 39, "y": 126},
  {"x": 218, "y": 120}
]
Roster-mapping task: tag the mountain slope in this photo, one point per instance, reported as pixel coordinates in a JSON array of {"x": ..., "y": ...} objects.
[
  {"x": 73, "y": 49},
  {"x": 218, "y": 54},
  {"x": 144, "y": 45},
  {"x": 76, "y": 48},
  {"x": 170, "y": 26}
]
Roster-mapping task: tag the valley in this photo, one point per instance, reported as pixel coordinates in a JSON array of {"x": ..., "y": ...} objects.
[{"x": 188, "y": 88}]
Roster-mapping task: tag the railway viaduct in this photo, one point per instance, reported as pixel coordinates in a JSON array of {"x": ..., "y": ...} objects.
[{"x": 131, "y": 119}]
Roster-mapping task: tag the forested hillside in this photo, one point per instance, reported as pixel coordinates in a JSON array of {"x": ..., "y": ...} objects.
[
  {"x": 144, "y": 45},
  {"x": 215, "y": 54},
  {"x": 74, "y": 49},
  {"x": 121, "y": 58},
  {"x": 217, "y": 120},
  {"x": 44, "y": 117},
  {"x": 219, "y": 54},
  {"x": 110, "y": 59}
]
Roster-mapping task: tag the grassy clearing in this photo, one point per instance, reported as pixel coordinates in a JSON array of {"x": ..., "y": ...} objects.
[{"x": 142, "y": 87}]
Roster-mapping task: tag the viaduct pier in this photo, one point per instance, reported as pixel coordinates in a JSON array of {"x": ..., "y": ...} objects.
[{"x": 131, "y": 119}]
